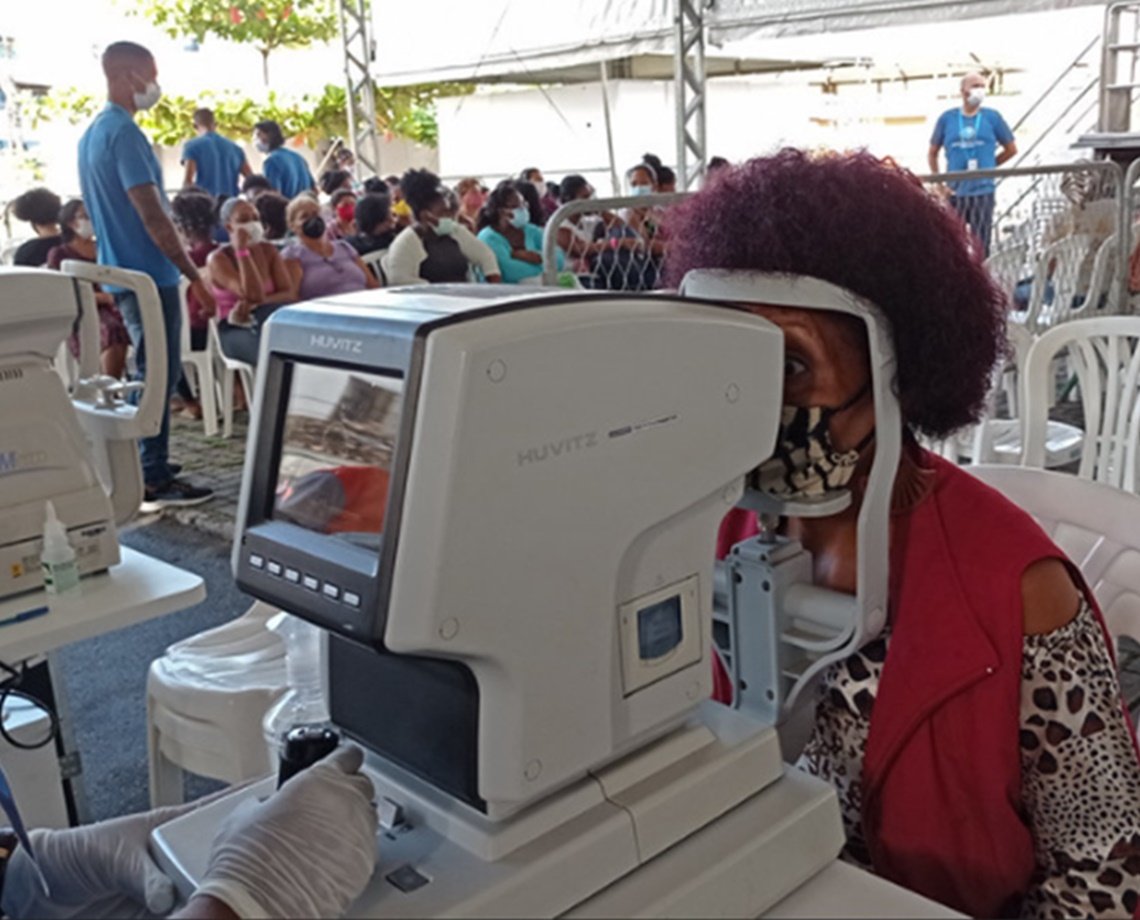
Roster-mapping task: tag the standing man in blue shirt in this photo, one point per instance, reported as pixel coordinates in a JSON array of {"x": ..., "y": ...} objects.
[
  {"x": 213, "y": 162},
  {"x": 122, "y": 188},
  {"x": 286, "y": 169},
  {"x": 972, "y": 136}
]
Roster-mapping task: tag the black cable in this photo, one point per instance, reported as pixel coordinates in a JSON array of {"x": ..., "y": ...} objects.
[{"x": 12, "y": 689}]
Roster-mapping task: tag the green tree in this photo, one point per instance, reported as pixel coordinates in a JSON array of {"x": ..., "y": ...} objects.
[{"x": 266, "y": 24}]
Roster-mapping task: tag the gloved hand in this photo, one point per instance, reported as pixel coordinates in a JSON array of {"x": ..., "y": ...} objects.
[
  {"x": 306, "y": 851},
  {"x": 99, "y": 870}
]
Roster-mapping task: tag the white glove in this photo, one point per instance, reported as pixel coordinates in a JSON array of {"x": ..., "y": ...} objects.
[
  {"x": 306, "y": 851},
  {"x": 99, "y": 870}
]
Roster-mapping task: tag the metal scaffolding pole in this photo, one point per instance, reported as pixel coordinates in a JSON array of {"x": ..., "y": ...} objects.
[
  {"x": 360, "y": 101},
  {"x": 689, "y": 89}
]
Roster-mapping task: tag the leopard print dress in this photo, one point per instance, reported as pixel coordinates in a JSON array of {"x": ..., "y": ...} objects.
[{"x": 1080, "y": 780}]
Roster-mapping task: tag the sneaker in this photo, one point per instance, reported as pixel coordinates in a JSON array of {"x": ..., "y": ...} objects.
[{"x": 177, "y": 493}]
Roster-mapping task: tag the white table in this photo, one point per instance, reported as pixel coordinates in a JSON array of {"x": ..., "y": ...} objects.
[
  {"x": 841, "y": 890},
  {"x": 139, "y": 588}
]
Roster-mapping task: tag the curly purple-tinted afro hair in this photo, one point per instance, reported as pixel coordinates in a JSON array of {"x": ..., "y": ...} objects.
[{"x": 868, "y": 226}]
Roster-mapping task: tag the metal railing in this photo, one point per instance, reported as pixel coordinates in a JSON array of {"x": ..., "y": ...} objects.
[{"x": 1030, "y": 210}]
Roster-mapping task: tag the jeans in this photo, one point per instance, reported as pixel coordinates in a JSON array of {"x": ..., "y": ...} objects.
[
  {"x": 242, "y": 343},
  {"x": 154, "y": 451},
  {"x": 977, "y": 212}
]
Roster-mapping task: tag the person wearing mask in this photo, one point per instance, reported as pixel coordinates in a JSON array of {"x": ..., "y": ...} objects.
[
  {"x": 254, "y": 185},
  {"x": 250, "y": 281},
  {"x": 582, "y": 237},
  {"x": 978, "y": 744},
  {"x": 547, "y": 204},
  {"x": 213, "y": 162},
  {"x": 646, "y": 222},
  {"x": 342, "y": 214},
  {"x": 436, "y": 248},
  {"x": 974, "y": 138},
  {"x": 373, "y": 225},
  {"x": 271, "y": 207},
  {"x": 471, "y": 197},
  {"x": 122, "y": 189},
  {"x": 333, "y": 180},
  {"x": 535, "y": 212},
  {"x": 505, "y": 226},
  {"x": 194, "y": 211},
  {"x": 665, "y": 179},
  {"x": 307, "y": 850},
  {"x": 285, "y": 169},
  {"x": 317, "y": 265},
  {"x": 401, "y": 210},
  {"x": 40, "y": 208},
  {"x": 78, "y": 242}
]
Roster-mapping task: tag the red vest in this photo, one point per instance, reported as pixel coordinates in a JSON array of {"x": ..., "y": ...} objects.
[{"x": 942, "y": 810}]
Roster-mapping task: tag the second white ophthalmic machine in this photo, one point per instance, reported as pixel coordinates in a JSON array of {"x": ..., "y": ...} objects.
[{"x": 503, "y": 506}]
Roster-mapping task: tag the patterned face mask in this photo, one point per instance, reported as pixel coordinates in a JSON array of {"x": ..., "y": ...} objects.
[{"x": 806, "y": 464}]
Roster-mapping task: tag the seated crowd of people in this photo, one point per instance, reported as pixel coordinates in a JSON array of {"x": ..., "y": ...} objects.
[{"x": 288, "y": 238}]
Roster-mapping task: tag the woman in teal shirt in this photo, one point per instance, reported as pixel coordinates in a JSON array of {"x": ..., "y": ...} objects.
[{"x": 504, "y": 225}]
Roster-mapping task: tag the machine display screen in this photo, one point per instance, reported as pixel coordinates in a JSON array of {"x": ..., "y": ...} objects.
[
  {"x": 338, "y": 441},
  {"x": 659, "y": 629}
]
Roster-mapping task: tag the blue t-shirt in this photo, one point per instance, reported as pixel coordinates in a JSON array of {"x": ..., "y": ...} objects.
[
  {"x": 971, "y": 142},
  {"x": 515, "y": 270},
  {"x": 217, "y": 162},
  {"x": 287, "y": 172},
  {"x": 114, "y": 155}
]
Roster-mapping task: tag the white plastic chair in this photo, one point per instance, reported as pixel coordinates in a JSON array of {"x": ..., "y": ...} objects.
[
  {"x": 1101, "y": 283},
  {"x": 205, "y": 700},
  {"x": 1094, "y": 524},
  {"x": 230, "y": 367},
  {"x": 1064, "y": 258},
  {"x": 1006, "y": 265},
  {"x": 202, "y": 363},
  {"x": 1104, "y": 353},
  {"x": 999, "y": 440},
  {"x": 375, "y": 262}
]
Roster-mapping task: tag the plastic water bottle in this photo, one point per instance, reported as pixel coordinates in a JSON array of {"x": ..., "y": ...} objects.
[
  {"x": 303, "y": 703},
  {"x": 57, "y": 559}
]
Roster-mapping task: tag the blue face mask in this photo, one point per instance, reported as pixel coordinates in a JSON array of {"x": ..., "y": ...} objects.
[
  {"x": 520, "y": 217},
  {"x": 641, "y": 190}
]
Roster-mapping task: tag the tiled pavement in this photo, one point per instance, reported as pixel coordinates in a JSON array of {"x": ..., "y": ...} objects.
[{"x": 214, "y": 462}]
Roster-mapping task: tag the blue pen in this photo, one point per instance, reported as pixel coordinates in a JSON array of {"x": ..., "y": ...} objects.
[{"x": 25, "y": 615}]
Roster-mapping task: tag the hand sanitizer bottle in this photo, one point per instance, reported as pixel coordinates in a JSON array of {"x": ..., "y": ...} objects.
[{"x": 58, "y": 558}]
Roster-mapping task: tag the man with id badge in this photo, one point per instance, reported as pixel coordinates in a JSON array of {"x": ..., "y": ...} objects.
[{"x": 972, "y": 136}]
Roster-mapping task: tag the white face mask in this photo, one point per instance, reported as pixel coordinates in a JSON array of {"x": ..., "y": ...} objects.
[
  {"x": 253, "y": 230},
  {"x": 260, "y": 145},
  {"x": 445, "y": 226},
  {"x": 148, "y": 97},
  {"x": 83, "y": 229},
  {"x": 539, "y": 187},
  {"x": 976, "y": 96}
]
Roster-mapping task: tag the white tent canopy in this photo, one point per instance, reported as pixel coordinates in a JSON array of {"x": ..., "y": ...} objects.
[{"x": 538, "y": 41}]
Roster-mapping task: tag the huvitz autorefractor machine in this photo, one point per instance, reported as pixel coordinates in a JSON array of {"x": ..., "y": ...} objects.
[{"x": 503, "y": 505}]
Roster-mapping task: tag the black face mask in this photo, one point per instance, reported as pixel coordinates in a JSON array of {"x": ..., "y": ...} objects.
[{"x": 314, "y": 227}]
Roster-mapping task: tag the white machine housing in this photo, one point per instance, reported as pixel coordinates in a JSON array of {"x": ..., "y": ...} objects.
[
  {"x": 531, "y": 552},
  {"x": 79, "y": 449}
]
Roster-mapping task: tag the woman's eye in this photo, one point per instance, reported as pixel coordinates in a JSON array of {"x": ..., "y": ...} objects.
[{"x": 793, "y": 366}]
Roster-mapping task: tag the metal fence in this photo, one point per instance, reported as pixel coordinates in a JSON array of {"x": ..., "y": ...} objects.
[{"x": 1057, "y": 238}]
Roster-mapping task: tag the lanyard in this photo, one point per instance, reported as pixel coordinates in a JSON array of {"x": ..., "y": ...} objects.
[
  {"x": 962, "y": 125},
  {"x": 8, "y": 803}
]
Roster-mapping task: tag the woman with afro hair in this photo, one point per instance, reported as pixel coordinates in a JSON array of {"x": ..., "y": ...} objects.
[{"x": 978, "y": 745}]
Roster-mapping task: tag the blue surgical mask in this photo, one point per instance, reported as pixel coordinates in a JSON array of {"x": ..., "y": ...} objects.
[
  {"x": 445, "y": 226},
  {"x": 641, "y": 189},
  {"x": 520, "y": 217}
]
